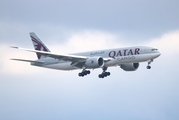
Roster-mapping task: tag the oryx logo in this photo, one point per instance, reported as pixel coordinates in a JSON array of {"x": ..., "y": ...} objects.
[{"x": 38, "y": 46}]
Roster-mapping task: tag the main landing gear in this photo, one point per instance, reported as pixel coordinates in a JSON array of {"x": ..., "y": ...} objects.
[
  {"x": 148, "y": 66},
  {"x": 83, "y": 73},
  {"x": 104, "y": 73}
]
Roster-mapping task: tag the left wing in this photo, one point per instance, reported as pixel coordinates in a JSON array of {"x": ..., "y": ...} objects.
[
  {"x": 76, "y": 60},
  {"x": 72, "y": 58}
]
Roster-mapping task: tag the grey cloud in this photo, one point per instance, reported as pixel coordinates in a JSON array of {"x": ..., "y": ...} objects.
[
  {"x": 50, "y": 94},
  {"x": 144, "y": 94},
  {"x": 134, "y": 18}
]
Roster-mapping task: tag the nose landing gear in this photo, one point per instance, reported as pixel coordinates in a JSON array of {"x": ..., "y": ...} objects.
[{"x": 148, "y": 66}]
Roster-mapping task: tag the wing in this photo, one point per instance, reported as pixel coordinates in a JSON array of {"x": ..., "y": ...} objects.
[
  {"x": 75, "y": 60},
  {"x": 72, "y": 58}
]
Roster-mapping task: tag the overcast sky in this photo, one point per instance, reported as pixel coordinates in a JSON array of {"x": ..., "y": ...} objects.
[{"x": 67, "y": 26}]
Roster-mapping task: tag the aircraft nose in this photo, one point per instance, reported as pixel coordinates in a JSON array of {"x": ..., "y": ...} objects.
[{"x": 158, "y": 54}]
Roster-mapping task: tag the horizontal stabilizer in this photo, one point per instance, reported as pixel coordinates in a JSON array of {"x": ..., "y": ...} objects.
[
  {"x": 14, "y": 47},
  {"x": 28, "y": 61}
]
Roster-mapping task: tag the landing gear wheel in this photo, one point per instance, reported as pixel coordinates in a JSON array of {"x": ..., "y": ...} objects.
[
  {"x": 100, "y": 76},
  {"x": 79, "y": 74},
  {"x": 108, "y": 73},
  {"x": 148, "y": 67},
  {"x": 104, "y": 73},
  {"x": 84, "y": 73},
  {"x": 88, "y": 72}
]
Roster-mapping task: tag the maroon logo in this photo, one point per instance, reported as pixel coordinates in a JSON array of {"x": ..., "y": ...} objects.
[
  {"x": 124, "y": 52},
  {"x": 38, "y": 46}
]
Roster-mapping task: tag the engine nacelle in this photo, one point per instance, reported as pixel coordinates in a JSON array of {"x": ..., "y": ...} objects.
[
  {"x": 94, "y": 62},
  {"x": 130, "y": 66}
]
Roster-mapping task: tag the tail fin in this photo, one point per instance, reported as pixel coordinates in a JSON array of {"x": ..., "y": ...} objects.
[{"x": 38, "y": 45}]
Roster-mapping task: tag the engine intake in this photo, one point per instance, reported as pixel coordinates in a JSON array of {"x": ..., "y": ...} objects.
[
  {"x": 94, "y": 62},
  {"x": 130, "y": 66}
]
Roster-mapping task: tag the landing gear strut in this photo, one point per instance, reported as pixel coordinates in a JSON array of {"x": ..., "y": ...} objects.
[
  {"x": 83, "y": 73},
  {"x": 104, "y": 73},
  {"x": 148, "y": 66}
]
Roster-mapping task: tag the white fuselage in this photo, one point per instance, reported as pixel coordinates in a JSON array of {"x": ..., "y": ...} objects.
[{"x": 112, "y": 57}]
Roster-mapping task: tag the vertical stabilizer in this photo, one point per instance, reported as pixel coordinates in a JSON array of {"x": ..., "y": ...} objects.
[{"x": 38, "y": 45}]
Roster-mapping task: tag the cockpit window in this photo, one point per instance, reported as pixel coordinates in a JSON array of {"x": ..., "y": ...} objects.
[{"x": 154, "y": 49}]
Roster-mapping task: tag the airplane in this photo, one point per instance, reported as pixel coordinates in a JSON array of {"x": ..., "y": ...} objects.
[{"x": 127, "y": 58}]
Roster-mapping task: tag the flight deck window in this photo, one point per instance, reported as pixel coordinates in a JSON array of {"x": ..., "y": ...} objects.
[{"x": 153, "y": 49}]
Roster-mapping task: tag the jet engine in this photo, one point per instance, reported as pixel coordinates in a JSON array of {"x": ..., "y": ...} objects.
[
  {"x": 130, "y": 66},
  {"x": 94, "y": 62}
]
